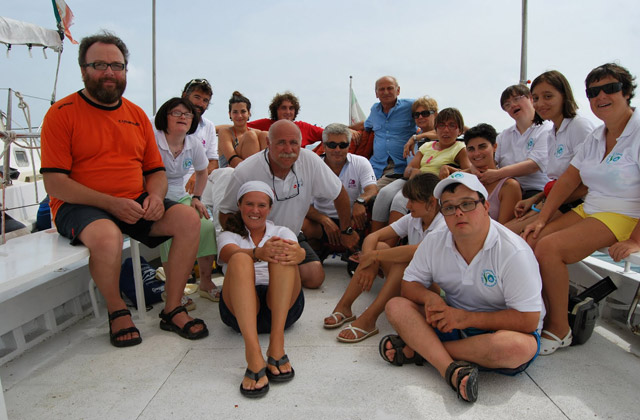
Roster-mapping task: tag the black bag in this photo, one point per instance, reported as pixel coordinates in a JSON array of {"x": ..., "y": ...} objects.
[{"x": 153, "y": 287}]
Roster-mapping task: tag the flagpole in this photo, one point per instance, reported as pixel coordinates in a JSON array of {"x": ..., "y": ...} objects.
[
  {"x": 350, "y": 99},
  {"x": 153, "y": 53}
]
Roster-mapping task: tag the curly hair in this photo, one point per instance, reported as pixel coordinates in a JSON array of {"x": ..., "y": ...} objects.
[{"x": 279, "y": 99}]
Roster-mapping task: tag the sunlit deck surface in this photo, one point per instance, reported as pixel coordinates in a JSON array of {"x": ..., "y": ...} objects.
[{"x": 79, "y": 375}]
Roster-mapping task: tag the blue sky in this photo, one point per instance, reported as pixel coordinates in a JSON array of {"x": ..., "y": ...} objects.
[{"x": 463, "y": 53}]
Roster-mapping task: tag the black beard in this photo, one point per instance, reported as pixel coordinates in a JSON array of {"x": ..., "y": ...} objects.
[{"x": 105, "y": 96}]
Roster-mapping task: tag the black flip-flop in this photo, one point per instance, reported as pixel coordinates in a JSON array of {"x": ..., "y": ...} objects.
[
  {"x": 255, "y": 376},
  {"x": 283, "y": 376}
]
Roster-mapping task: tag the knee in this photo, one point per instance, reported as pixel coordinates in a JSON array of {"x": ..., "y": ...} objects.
[
  {"x": 104, "y": 238},
  {"x": 510, "y": 349},
  {"x": 240, "y": 259},
  {"x": 545, "y": 249},
  {"x": 187, "y": 221},
  {"x": 312, "y": 275},
  {"x": 394, "y": 307}
]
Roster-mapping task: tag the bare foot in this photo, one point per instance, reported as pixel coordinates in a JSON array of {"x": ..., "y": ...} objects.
[
  {"x": 337, "y": 317},
  {"x": 351, "y": 334},
  {"x": 121, "y": 323}
]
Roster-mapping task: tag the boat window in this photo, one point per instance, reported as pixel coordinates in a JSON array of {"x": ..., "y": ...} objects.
[{"x": 21, "y": 158}]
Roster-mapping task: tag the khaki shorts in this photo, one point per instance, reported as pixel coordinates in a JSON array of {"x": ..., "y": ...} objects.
[{"x": 619, "y": 224}]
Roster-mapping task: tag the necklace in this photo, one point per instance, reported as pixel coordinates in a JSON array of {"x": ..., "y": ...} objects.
[{"x": 176, "y": 153}]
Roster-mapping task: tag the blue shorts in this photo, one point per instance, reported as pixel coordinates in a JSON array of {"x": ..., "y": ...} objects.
[
  {"x": 470, "y": 332},
  {"x": 263, "y": 318},
  {"x": 71, "y": 219}
]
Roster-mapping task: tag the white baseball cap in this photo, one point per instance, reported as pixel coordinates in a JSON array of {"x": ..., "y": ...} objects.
[{"x": 468, "y": 180}]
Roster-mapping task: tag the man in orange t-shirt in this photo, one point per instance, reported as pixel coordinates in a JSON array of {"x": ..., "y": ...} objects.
[{"x": 105, "y": 176}]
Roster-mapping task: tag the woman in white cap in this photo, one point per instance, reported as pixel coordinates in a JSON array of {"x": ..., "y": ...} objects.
[{"x": 262, "y": 291}]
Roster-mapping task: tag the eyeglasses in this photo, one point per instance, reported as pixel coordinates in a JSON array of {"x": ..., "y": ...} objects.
[
  {"x": 296, "y": 186},
  {"x": 179, "y": 114},
  {"x": 333, "y": 145},
  {"x": 512, "y": 102},
  {"x": 195, "y": 82},
  {"x": 465, "y": 206},
  {"x": 101, "y": 66},
  {"x": 425, "y": 114},
  {"x": 609, "y": 88},
  {"x": 450, "y": 126}
]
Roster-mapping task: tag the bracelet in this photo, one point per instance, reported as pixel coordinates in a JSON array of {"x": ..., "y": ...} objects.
[
  {"x": 232, "y": 157},
  {"x": 197, "y": 196},
  {"x": 534, "y": 208},
  {"x": 256, "y": 259}
]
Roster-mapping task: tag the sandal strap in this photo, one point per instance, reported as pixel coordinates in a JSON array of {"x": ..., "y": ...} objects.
[
  {"x": 119, "y": 313},
  {"x": 465, "y": 369},
  {"x": 187, "y": 327},
  {"x": 255, "y": 376},
  {"x": 168, "y": 317},
  {"x": 125, "y": 331},
  {"x": 398, "y": 344},
  {"x": 277, "y": 363},
  {"x": 335, "y": 316}
]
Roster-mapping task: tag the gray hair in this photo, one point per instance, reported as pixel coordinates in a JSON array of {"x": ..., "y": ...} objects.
[{"x": 336, "y": 128}]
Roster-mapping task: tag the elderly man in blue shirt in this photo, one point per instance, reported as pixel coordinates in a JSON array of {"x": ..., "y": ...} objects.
[{"x": 393, "y": 125}]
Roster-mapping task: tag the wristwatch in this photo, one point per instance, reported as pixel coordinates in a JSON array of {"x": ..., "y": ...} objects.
[
  {"x": 197, "y": 196},
  {"x": 360, "y": 200},
  {"x": 347, "y": 231}
]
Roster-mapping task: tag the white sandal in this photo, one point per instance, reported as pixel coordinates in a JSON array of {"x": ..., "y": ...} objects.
[{"x": 550, "y": 345}]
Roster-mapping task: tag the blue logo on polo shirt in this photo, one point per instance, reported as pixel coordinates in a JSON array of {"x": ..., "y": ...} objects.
[
  {"x": 530, "y": 144},
  {"x": 560, "y": 150},
  {"x": 614, "y": 157},
  {"x": 186, "y": 164},
  {"x": 489, "y": 278}
]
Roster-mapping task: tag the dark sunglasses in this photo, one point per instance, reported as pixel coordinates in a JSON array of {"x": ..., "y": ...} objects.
[
  {"x": 422, "y": 114},
  {"x": 609, "y": 88},
  {"x": 333, "y": 145}
]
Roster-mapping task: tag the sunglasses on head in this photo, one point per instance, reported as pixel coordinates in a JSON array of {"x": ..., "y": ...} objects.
[
  {"x": 422, "y": 114},
  {"x": 609, "y": 88},
  {"x": 333, "y": 145},
  {"x": 197, "y": 82}
]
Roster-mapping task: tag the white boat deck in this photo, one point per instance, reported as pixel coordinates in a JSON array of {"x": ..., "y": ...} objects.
[{"x": 78, "y": 375}]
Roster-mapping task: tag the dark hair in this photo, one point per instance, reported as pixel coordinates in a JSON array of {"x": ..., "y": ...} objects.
[
  {"x": 616, "y": 71},
  {"x": 420, "y": 187},
  {"x": 239, "y": 98},
  {"x": 450, "y": 114},
  {"x": 163, "y": 113},
  {"x": 452, "y": 187},
  {"x": 486, "y": 131},
  {"x": 514, "y": 90},
  {"x": 561, "y": 84},
  {"x": 279, "y": 99},
  {"x": 104, "y": 37},
  {"x": 235, "y": 224},
  {"x": 199, "y": 84}
]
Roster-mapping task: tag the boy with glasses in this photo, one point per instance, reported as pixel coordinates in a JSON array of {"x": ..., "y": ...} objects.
[{"x": 493, "y": 310}]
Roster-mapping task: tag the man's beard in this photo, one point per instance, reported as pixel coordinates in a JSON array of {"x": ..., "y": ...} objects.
[{"x": 105, "y": 96}]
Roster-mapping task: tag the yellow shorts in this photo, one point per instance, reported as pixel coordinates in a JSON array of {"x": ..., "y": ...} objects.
[{"x": 619, "y": 224}]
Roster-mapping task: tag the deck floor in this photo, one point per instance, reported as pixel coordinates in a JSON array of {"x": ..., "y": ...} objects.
[{"x": 79, "y": 375}]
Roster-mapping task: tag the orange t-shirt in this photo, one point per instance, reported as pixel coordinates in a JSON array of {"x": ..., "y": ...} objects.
[{"x": 107, "y": 149}]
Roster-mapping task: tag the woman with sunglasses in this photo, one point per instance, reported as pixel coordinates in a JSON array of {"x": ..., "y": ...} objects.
[
  {"x": 553, "y": 101},
  {"x": 174, "y": 120},
  {"x": 608, "y": 163},
  {"x": 262, "y": 291},
  {"x": 522, "y": 148},
  {"x": 237, "y": 142}
]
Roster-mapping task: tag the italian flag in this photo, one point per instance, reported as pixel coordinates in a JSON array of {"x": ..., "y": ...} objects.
[{"x": 64, "y": 16}]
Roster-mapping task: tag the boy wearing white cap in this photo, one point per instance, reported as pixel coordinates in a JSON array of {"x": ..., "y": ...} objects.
[{"x": 493, "y": 308}]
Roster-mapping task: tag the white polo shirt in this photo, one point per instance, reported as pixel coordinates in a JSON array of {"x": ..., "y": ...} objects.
[
  {"x": 613, "y": 180},
  {"x": 503, "y": 275},
  {"x": 309, "y": 178},
  {"x": 563, "y": 145},
  {"x": 191, "y": 157},
  {"x": 261, "y": 267},
  {"x": 356, "y": 174},
  {"x": 411, "y": 227},
  {"x": 514, "y": 147},
  {"x": 205, "y": 135}
]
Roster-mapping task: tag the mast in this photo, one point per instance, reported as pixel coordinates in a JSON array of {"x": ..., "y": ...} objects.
[
  {"x": 523, "y": 48},
  {"x": 153, "y": 52}
]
